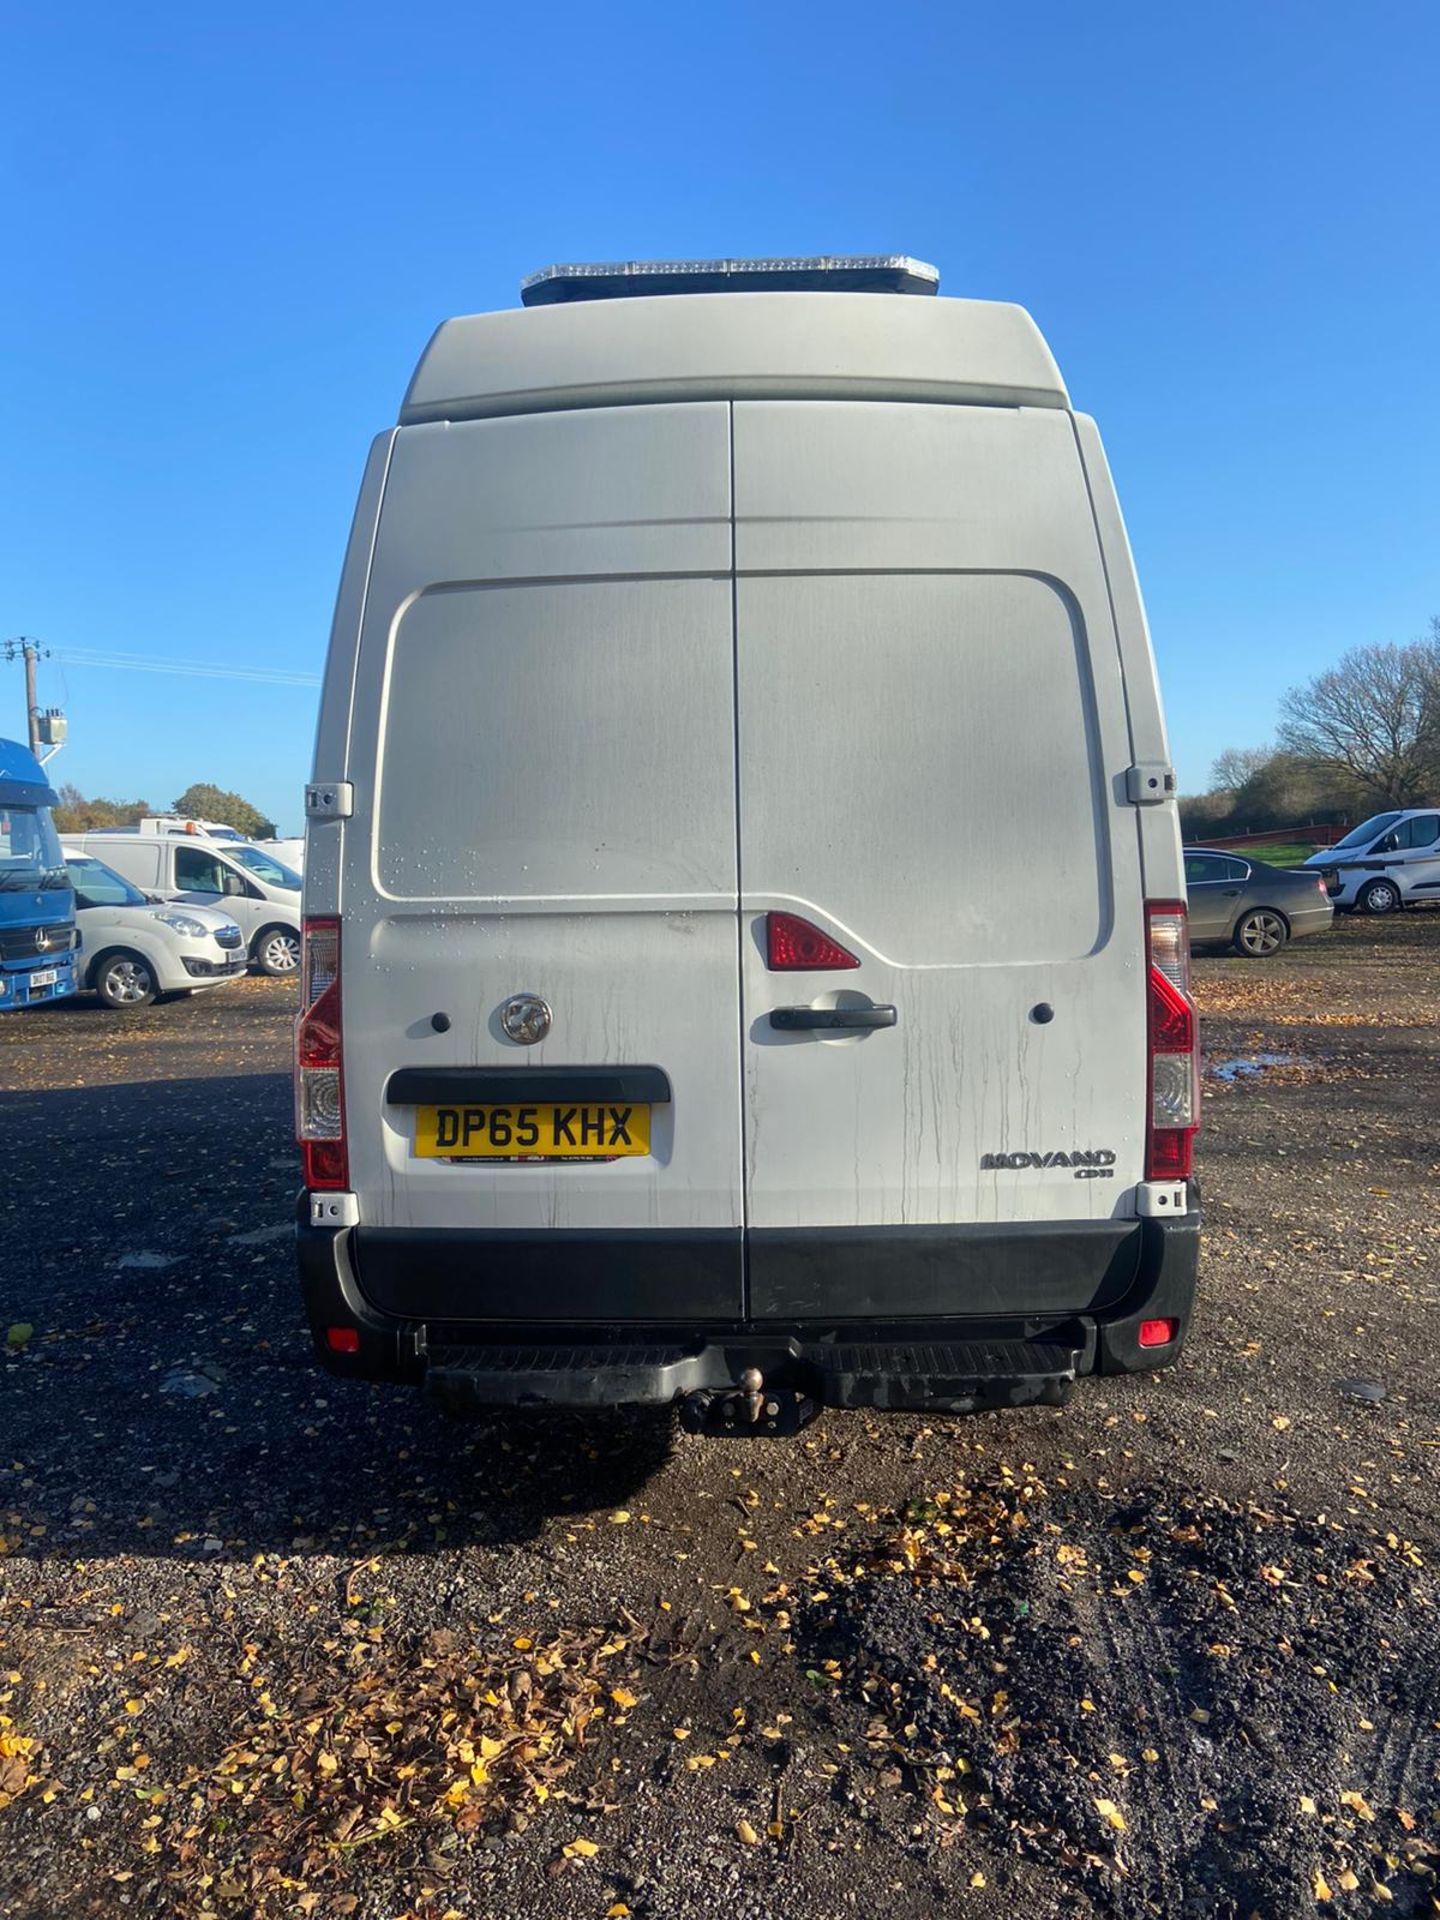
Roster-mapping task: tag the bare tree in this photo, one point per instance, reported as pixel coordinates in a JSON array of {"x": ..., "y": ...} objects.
[
  {"x": 1376, "y": 717},
  {"x": 1236, "y": 766}
]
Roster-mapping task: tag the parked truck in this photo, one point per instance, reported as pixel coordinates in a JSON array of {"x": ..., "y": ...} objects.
[{"x": 37, "y": 903}]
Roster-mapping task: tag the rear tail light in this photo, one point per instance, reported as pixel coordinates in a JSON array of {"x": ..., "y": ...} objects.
[
  {"x": 319, "y": 1079},
  {"x": 1174, "y": 1055},
  {"x": 793, "y": 945}
]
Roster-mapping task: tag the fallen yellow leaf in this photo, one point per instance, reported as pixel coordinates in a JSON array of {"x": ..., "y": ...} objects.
[
  {"x": 1322, "y": 1887},
  {"x": 1111, "y": 1815},
  {"x": 580, "y": 1850},
  {"x": 623, "y": 1697},
  {"x": 747, "y": 1833},
  {"x": 620, "y": 1518},
  {"x": 132, "y": 1706}
]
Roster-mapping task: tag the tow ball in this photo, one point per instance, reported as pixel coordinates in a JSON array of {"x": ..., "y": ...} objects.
[{"x": 749, "y": 1408}]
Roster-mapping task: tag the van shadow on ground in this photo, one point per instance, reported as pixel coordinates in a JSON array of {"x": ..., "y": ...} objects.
[{"x": 174, "y": 1409}]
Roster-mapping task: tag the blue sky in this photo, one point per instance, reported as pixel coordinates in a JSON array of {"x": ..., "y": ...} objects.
[{"x": 230, "y": 232}]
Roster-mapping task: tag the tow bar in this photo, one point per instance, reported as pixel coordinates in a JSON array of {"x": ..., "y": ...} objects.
[{"x": 748, "y": 1409}]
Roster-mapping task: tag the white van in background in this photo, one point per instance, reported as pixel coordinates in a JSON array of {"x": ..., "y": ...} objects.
[
  {"x": 1388, "y": 862},
  {"x": 745, "y": 958},
  {"x": 133, "y": 952},
  {"x": 290, "y": 853},
  {"x": 255, "y": 889}
]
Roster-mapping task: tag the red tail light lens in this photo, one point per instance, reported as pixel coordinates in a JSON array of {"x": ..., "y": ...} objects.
[
  {"x": 319, "y": 1078},
  {"x": 793, "y": 945},
  {"x": 1174, "y": 1058},
  {"x": 1158, "y": 1333}
]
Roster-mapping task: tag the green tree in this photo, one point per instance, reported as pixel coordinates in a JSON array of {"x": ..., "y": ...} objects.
[
  {"x": 205, "y": 802},
  {"x": 76, "y": 814}
]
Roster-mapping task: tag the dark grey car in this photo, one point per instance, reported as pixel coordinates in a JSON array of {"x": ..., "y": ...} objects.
[{"x": 1252, "y": 907}]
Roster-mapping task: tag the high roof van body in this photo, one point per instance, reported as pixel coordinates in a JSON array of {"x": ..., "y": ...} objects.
[{"x": 746, "y": 952}]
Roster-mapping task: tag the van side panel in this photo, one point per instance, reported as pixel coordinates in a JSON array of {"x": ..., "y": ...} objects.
[
  {"x": 1158, "y": 826},
  {"x": 542, "y": 754},
  {"x": 136, "y": 860},
  {"x": 324, "y": 839},
  {"x": 933, "y": 744}
]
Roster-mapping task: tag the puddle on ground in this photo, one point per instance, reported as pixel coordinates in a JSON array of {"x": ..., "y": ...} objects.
[{"x": 1246, "y": 1065}]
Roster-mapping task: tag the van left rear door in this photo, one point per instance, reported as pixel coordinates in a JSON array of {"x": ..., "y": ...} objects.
[{"x": 543, "y": 758}]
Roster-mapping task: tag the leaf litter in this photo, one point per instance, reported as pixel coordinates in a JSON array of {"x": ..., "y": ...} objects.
[{"x": 1132, "y": 1691}]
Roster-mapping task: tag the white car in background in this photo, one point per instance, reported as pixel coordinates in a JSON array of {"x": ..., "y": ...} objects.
[{"x": 134, "y": 950}]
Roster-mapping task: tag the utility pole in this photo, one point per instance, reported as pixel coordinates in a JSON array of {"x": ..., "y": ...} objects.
[
  {"x": 42, "y": 729},
  {"x": 32, "y": 697}
]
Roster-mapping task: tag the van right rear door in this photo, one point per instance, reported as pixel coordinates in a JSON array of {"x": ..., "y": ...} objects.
[{"x": 932, "y": 746}]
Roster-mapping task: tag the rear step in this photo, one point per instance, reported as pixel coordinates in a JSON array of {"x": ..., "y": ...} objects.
[{"x": 751, "y": 1385}]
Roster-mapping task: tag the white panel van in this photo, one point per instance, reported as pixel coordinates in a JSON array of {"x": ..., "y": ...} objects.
[
  {"x": 1386, "y": 863},
  {"x": 260, "y": 893},
  {"x": 745, "y": 944}
]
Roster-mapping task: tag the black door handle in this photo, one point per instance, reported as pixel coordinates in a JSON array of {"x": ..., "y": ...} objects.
[
  {"x": 1232, "y": 893},
  {"x": 796, "y": 1019}
]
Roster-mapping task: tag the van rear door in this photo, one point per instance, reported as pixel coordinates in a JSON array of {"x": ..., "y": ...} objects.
[
  {"x": 932, "y": 749},
  {"x": 543, "y": 738}
]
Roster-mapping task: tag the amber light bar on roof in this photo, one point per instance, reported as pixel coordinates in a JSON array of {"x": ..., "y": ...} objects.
[{"x": 824, "y": 273}]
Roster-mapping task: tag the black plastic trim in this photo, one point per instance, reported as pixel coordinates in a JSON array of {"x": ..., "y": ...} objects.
[
  {"x": 551, "y": 1274},
  {"x": 654, "y": 1296},
  {"x": 485, "y": 1086},
  {"x": 870, "y": 1273}
]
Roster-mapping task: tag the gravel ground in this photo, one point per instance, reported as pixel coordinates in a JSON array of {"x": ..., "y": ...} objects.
[{"x": 273, "y": 1644}]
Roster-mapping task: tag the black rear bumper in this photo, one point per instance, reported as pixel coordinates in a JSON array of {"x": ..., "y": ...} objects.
[{"x": 939, "y": 1318}]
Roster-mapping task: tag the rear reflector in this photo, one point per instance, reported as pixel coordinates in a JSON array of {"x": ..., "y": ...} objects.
[
  {"x": 793, "y": 945},
  {"x": 1173, "y": 1046},
  {"x": 1158, "y": 1333},
  {"x": 347, "y": 1339},
  {"x": 319, "y": 1075}
]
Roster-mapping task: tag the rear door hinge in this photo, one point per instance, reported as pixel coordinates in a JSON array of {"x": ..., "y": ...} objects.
[
  {"x": 330, "y": 1209},
  {"x": 329, "y": 800},
  {"x": 1147, "y": 784},
  {"x": 1161, "y": 1199}
]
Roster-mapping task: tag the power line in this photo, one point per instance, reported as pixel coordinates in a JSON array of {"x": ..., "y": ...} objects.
[{"x": 144, "y": 663}]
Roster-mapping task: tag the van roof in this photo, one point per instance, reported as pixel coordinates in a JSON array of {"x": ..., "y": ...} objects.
[{"x": 733, "y": 346}]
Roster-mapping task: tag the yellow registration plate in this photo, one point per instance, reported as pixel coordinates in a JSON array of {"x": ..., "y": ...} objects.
[{"x": 551, "y": 1130}]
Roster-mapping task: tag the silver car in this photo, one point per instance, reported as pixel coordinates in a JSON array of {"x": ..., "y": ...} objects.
[{"x": 1250, "y": 906}]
